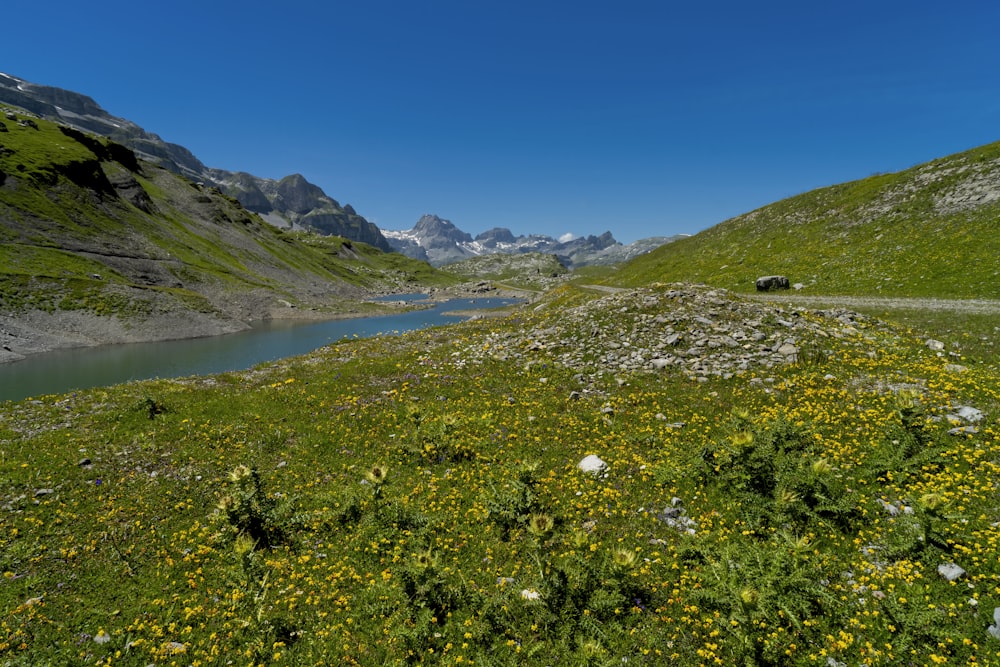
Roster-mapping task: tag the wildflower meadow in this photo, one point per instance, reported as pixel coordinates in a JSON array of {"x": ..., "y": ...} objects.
[{"x": 418, "y": 499}]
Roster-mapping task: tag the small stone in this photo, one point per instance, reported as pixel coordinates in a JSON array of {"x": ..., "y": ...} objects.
[
  {"x": 994, "y": 629},
  {"x": 935, "y": 345},
  {"x": 84, "y": 462},
  {"x": 964, "y": 412},
  {"x": 788, "y": 350},
  {"x": 951, "y": 571},
  {"x": 39, "y": 493}
]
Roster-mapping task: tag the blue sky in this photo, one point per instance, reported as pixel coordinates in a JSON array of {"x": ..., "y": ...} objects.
[{"x": 642, "y": 118}]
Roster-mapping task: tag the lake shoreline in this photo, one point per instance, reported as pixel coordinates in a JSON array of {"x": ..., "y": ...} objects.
[{"x": 34, "y": 333}]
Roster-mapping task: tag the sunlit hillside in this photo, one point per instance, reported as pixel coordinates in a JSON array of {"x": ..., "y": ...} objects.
[{"x": 928, "y": 231}]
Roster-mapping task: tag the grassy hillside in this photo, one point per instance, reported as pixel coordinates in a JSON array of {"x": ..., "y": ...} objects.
[
  {"x": 927, "y": 231},
  {"x": 85, "y": 225},
  {"x": 416, "y": 499}
]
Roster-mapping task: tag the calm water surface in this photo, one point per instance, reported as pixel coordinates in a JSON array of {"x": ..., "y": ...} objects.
[{"x": 65, "y": 370}]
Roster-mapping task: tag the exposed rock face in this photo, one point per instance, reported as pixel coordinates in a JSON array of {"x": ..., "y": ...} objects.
[
  {"x": 493, "y": 237},
  {"x": 290, "y": 202},
  {"x": 438, "y": 232}
]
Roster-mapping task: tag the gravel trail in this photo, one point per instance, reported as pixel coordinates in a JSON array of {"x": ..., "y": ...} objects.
[{"x": 974, "y": 306}]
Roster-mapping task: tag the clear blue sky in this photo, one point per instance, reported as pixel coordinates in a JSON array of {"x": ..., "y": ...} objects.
[{"x": 642, "y": 118}]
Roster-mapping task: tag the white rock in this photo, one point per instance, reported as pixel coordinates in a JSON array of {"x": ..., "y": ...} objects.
[
  {"x": 969, "y": 414},
  {"x": 994, "y": 629},
  {"x": 592, "y": 464},
  {"x": 950, "y": 571}
]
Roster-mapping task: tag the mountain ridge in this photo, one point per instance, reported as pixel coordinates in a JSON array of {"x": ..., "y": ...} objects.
[
  {"x": 291, "y": 202},
  {"x": 440, "y": 242}
]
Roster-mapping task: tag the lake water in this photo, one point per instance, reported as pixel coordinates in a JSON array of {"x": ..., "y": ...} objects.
[{"x": 79, "y": 368}]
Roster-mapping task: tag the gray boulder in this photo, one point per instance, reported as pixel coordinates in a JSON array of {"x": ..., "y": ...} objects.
[{"x": 768, "y": 283}]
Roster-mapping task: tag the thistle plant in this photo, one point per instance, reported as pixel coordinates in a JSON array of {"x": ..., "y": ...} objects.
[
  {"x": 376, "y": 475},
  {"x": 251, "y": 512}
]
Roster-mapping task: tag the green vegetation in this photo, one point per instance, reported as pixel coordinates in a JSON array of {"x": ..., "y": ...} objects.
[
  {"x": 415, "y": 499},
  {"x": 926, "y": 231}
]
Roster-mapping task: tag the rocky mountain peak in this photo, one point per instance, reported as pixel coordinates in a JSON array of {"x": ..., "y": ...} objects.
[
  {"x": 440, "y": 242},
  {"x": 437, "y": 229},
  {"x": 300, "y": 196},
  {"x": 492, "y": 237}
]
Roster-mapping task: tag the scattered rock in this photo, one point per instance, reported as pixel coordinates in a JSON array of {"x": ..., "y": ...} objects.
[
  {"x": 935, "y": 345},
  {"x": 895, "y": 508},
  {"x": 642, "y": 330},
  {"x": 40, "y": 493},
  {"x": 675, "y": 516}
]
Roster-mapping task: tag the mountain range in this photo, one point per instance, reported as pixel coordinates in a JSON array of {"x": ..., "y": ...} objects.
[
  {"x": 440, "y": 242},
  {"x": 294, "y": 203}
]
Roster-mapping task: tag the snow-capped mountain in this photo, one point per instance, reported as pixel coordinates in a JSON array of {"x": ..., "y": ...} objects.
[{"x": 440, "y": 242}]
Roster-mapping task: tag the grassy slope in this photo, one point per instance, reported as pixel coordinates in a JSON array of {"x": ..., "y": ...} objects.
[
  {"x": 61, "y": 220},
  {"x": 896, "y": 234}
]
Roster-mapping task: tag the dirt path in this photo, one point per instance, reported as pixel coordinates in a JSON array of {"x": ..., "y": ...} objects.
[{"x": 973, "y": 306}]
